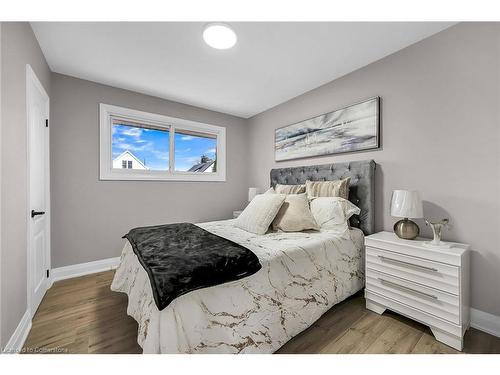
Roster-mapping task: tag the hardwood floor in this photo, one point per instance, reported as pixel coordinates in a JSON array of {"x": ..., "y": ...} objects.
[{"x": 82, "y": 315}]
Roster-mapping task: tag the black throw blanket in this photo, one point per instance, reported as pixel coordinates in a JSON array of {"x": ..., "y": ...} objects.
[{"x": 180, "y": 258}]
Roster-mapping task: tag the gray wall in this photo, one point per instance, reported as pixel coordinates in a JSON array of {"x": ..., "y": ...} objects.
[
  {"x": 19, "y": 47},
  {"x": 440, "y": 135},
  {"x": 90, "y": 216}
]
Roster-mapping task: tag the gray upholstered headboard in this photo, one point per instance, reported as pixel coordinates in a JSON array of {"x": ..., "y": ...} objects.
[{"x": 361, "y": 188}]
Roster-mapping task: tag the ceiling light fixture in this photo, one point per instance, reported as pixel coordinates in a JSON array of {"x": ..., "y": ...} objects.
[{"x": 219, "y": 36}]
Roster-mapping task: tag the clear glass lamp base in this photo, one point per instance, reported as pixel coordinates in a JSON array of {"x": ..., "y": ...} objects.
[{"x": 439, "y": 245}]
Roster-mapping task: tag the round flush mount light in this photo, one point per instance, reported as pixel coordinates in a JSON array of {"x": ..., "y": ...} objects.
[{"x": 219, "y": 36}]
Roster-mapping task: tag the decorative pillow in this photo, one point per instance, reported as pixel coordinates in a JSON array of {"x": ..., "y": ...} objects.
[
  {"x": 333, "y": 213},
  {"x": 295, "y": 215},
  {"x": 290, "y": 189},
  {"x": 260, "y": 213},
  {"x": 337, "y": 188}
]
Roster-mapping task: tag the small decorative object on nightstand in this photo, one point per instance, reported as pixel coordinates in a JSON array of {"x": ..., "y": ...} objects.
[
  {"x": 236, "y": 214},
  {"x": 252, "y": 192},
  {"x": 437, "y": 227},
  {"x": 406, "y": 204},
  {"x": 430, "y": 285}
]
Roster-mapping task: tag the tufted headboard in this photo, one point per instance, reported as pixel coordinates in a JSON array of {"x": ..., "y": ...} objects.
[{"x": 361, "y": 188}]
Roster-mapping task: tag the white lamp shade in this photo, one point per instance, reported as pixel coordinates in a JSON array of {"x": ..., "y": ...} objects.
[
  {"x": 252, "y": 192},
  {"x": 406, "y": 203}
]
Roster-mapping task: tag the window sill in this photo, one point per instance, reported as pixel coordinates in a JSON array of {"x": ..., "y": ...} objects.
[{"x": 186, "y": 177}]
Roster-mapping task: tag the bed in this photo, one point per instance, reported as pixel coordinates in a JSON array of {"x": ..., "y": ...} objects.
[{"x": 303, "y": 275}]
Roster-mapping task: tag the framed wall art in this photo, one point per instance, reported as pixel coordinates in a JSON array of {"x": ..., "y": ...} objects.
[{"x": 349, "y": 129}]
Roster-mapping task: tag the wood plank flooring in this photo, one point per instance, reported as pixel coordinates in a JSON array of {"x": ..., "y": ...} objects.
[{"x": 82, "y": 315}]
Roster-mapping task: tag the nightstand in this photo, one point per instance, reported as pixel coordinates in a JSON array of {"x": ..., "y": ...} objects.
[
  {"x": 236, "y": 214},
  {"x": 425, "y": 284}
]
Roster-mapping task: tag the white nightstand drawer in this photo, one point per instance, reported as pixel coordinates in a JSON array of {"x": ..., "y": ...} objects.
[
  {"x": 430, "y": 285},
  {"x": 433, "y": 274},
  {"x": 429, "y": 300}
]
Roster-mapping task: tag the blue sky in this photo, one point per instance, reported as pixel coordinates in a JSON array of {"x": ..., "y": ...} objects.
[
  {"x": 189, "y": 149},
  {"x": 152, "y": 146}
]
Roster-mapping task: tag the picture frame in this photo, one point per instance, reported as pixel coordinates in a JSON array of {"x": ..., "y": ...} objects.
[{"x": 353, "y": 128}]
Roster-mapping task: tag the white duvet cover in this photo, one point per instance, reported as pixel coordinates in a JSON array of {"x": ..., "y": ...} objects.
[{"x": 303, "y": 275}]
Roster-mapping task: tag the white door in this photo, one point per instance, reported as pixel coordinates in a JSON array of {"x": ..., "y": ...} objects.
[{"x": 38, "y": 190}]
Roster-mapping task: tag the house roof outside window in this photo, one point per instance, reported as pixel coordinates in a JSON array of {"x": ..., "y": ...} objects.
[
  {"x": 127, "y": 155},
  {"x": 205, "y": 165}
]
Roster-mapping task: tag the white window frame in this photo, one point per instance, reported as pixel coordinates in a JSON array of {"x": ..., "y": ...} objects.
[{"x": 106, "y": 172}]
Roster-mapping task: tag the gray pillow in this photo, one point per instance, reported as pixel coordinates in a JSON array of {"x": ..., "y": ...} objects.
[{"x": 260, "y": 213}]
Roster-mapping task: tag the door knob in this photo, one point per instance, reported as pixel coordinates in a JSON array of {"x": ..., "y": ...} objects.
[{"x": 36, "y": 213}]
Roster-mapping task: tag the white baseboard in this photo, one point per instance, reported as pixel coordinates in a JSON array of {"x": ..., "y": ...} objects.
[
  {"x": 18, "y": 338},
  {"x": 485, "y": 322},
  {"x": 82, "y": 269}
]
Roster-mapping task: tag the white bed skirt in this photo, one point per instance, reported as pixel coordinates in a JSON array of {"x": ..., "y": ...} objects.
[{"x": 303, "y": 275}]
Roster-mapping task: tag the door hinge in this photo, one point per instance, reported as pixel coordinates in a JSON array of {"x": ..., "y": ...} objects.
[
  {"x": 47, "y": 274},
  {"x": 46, "y": 122}
]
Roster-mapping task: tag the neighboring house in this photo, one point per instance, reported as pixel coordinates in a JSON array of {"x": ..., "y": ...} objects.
[
  {"x": 206, "y": 165},
  {"x": 127, "y": 160}
]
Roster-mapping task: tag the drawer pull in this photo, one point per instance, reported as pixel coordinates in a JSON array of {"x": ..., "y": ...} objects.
[
  {"x": 407, "y": 264},
  {"x": 405, "y": 288}
]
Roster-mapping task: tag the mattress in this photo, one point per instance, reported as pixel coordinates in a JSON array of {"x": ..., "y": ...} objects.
[{"x": 303, "y": 275}]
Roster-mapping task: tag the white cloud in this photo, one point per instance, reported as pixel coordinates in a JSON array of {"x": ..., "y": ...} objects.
[
  {"x": 162, "y": 155},
  {"x": 132, "y": 147},
  {"x": 187, "y": 138},
  {"x": 211, "y": 151},
  {"x": 133, "y": 132},
  {"x": 123, "y": 146}
]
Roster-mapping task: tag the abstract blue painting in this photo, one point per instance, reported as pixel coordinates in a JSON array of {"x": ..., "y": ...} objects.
[{"x": 349, "y": 129}]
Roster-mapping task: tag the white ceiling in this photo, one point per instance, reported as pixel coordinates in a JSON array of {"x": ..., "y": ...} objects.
[{"x": 271, "y": 63}]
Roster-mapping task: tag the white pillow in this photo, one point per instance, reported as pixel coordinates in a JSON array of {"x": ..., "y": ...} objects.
[
  {"x": 295, "y": 215},
  {"x": 333, "y": 213},
  {"x": 260, "y": 213}
]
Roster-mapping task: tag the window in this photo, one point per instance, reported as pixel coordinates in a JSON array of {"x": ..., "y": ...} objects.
[
  {"x": 195, "y": 152},
  {"x": 137, "y": 145}
]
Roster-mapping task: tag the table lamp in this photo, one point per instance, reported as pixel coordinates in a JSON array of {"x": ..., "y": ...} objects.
[
  {"x": 406, "y": 204},
  {"x": 252, "y": 192}
]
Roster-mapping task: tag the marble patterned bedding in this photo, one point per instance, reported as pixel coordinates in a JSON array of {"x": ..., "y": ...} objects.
[{"x": 303, "y": 275}]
